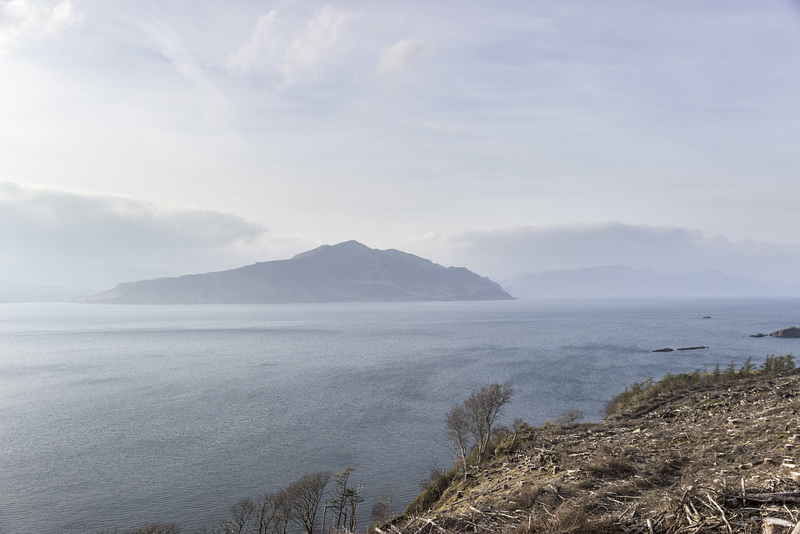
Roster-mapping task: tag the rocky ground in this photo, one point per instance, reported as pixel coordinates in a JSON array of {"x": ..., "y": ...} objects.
[{"x": 720, "y": 458}]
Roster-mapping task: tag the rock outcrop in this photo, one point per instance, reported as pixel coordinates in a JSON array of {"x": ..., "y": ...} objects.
[{"x": 792, "y": 331}]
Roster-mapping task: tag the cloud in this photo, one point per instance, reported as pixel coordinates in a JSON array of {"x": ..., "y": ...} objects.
[
  {"x": 45, "y": 223},
  {"x": 318, "y": 42},
  {"x": 401, "y": 55},
  {"x": 503, "y": 253},
  {"x": 22, "y": 21},
  {"x": 215, "y": 107},
  {"x": 292, "y": 54},
  {"x": 247, "y": 57}
]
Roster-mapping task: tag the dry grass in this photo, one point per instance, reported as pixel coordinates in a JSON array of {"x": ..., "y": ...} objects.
[
  {"x": 607, "y": 466},
  {"x": 716, "y": 459}
]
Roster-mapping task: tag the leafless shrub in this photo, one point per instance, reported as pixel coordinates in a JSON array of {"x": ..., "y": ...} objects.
[
  {"x": 568, "y": 418},
  {"x": 383, "y": 510}
]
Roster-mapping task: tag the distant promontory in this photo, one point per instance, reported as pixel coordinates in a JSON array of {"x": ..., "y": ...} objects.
[{"x": 347, "y": 272}]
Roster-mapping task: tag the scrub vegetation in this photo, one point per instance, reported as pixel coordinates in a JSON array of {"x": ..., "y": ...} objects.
[{"x": 642, "y": 391}]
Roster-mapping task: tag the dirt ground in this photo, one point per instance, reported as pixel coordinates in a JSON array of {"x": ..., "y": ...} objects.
[{"x": 720, "y": 458}]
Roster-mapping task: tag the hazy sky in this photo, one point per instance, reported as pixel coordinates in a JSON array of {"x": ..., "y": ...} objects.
[{"x": 194, "y": 135}]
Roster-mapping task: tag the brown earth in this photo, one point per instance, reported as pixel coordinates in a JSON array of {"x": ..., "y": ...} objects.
[{"x": 720, "y": 458}]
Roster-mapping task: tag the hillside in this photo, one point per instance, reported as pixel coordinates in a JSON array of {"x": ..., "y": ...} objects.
[
  {"x": 346, "y": 272},
  {"x": 717, "y": 458}
]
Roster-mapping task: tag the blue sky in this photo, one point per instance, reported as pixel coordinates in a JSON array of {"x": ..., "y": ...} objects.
[{"x": 206, "y": 134}]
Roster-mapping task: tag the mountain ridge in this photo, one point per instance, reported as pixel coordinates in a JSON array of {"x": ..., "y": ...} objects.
[{"x": 346, "y": 272}]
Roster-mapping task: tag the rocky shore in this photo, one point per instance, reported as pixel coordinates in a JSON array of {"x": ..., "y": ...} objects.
[{"x": 791, "y": 332}]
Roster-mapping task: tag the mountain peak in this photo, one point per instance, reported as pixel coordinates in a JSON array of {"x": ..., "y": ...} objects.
[{"x": 345, "y": 246}]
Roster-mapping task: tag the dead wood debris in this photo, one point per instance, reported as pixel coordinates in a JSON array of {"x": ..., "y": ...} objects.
[{"x": 721, "y": 459}]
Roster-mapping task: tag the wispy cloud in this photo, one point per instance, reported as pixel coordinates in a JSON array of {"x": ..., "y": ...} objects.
[
  {"x": 402, "y": 54},
  {"x": 293, "y": 53},
  {"x": 552, "y": 112},
  {"x": 214, "y": 104},
  {"x": 246, "y": 59},
  {"x": 22, "y": 21},
  {"x": 318, "y": 42}
]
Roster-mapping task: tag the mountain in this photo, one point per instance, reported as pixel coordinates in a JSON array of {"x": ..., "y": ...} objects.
[
  {"x": 617, "y": 280},
  {"x": 345, "y": 272}
]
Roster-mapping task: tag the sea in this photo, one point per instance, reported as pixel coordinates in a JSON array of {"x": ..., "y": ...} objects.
[{"x": 114, "y": 416}]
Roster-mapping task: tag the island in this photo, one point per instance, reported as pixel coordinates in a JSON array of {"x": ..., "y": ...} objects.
[{"x": 347, "y": 272}]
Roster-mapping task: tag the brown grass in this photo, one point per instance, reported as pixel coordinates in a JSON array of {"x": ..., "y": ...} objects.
[{"x": 673, "y": 465}]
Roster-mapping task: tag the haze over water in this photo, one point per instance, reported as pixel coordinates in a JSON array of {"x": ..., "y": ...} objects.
[{"x": 115, "y": 416}]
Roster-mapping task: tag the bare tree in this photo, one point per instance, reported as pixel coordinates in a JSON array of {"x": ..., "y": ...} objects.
[
  {"x": 284, "y": 513},
  {"x": 241, "y": 518},
  {"x": 458, "y": 434},
  {"x": 303, "y": 498},
  {"x": 270, "y": 513},
  {"x": 341, "y": 492},
  {"x": 344, "y": 499},
  {"x": 481, "y": 409},
  {"x": 383, "y": 509},
  {"x": 354, "y": 498}
]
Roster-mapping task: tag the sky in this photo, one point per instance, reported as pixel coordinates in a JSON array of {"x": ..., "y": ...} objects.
[{"x": 190, "y": 136}]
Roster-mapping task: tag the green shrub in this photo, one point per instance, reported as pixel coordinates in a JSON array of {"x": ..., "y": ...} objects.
[
  {"x": 642, "y": 391},
  {"x": 438, "y": 483}
]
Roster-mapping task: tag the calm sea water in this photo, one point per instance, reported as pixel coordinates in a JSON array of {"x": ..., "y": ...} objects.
[{"x": 115, "y": 416}]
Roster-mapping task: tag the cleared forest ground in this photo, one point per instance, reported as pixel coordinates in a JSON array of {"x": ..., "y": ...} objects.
[{"x": 721, "y": 458}]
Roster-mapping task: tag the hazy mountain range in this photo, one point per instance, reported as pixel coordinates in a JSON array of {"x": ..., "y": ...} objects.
[
  {"x": 11, "y": 292},
  {"x": 616, "y": 280},
  {"x": 351, "y": 271},
  {"x": 345, "y": 272},
  {"x": 82, "y": 278}
]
